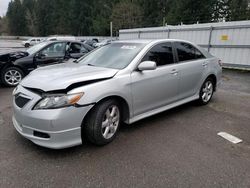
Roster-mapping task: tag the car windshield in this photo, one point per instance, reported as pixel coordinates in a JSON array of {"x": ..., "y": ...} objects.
[
  {"x": 36, "y": 48},
  {"x": 115, "y": 55}
]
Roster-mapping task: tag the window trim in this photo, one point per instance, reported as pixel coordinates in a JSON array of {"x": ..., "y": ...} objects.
[{"x": 176, "y": 53}]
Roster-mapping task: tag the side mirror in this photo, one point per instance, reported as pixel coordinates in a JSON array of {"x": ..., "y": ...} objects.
[
  {"x": 41, "y": 56},
  {"x": 147, "y": 65}
]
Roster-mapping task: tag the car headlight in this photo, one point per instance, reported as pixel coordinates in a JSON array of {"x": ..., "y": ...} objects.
[{"x": 58, "y": 101}]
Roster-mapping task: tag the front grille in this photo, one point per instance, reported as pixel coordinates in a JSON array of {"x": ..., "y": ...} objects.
[{"x": 21, "y": 101}]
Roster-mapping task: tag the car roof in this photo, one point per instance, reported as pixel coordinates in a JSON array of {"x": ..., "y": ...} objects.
[
  {"x": 147, "y": 41},
  {"x": 56, "y": 41}
]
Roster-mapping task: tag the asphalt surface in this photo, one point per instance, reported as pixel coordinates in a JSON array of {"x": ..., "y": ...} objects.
[
  {"x": 177, "y": 148},
  {"x": 10, "y": 45}
]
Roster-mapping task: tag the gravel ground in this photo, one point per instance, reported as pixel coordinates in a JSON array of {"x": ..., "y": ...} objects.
[{"x": 10, "y": 45}]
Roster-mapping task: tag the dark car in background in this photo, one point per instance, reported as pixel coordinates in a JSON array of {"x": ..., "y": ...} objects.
[{"x": 15, "y": 65}]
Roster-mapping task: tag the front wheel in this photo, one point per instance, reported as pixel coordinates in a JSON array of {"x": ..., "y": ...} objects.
[
  {"x": 206, "y": 92},
  {"x": 11, "y": 76},
  {"x": 103, "y": 122},
  {"x": 27, "y": 45}
]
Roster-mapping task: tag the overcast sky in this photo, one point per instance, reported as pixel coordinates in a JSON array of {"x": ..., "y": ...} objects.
[{"x": 3, "y": 6}]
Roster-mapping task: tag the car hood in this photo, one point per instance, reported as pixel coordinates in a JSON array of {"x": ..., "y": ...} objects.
[
  {"x": 61, "y": 77},
  {"x": 15, "y": 53}
]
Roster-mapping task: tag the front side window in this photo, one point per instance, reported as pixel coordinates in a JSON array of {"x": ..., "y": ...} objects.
[
  {"x": 162, "y": 54},
  {"x": 54, "y": 50},
  {"x": 36, "y": 48},
  {"x": 187, "y": 52}
]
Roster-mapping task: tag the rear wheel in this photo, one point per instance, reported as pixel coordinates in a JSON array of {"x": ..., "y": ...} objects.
[
  {"x": 103, "y": 122},
  {"x": 206, "y": 91},
  {"x": 27, "y": 45},
  {"x": 11, "y": 76}
]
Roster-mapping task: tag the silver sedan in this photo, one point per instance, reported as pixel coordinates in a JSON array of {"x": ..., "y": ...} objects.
[{"x": 59, "y": 106}]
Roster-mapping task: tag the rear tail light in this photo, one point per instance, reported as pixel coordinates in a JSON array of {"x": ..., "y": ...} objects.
[{"x": 220, "y": 62}]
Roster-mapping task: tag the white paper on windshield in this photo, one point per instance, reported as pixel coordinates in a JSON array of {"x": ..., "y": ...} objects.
[{"x": 126, "y": 47}]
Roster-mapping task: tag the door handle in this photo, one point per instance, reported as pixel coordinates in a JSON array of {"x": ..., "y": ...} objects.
[
  {"x": 174, "y": 71},
  {"x": 204, "y": 64}
]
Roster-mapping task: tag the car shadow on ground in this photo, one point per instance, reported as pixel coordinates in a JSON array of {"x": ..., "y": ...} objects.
[{"x": 87, "y": 147}]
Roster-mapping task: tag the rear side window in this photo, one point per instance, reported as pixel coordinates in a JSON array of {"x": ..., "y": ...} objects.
[
  {"x": 187, "y": 52},
  {"x": 162, "y": 54}
]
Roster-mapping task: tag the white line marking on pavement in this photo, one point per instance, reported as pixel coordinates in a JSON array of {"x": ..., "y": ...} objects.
[{"x": 229, "y": 137}]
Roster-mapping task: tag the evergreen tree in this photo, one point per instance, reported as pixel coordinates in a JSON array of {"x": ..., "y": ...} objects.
[
  {"x": 16, "y": 18},
  {"x": 239, "y": 10},
  {"x": 92, "y": 17},
  {"x": 190, "y": 11},
  {"x": 126, "y": 15}
]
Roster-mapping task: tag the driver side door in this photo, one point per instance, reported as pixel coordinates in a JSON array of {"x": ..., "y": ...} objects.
[
  {"x": 155, "y": 88},
  {"x": 51, "y": 54}
]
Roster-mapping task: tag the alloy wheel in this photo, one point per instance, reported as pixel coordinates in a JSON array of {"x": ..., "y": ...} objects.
[
  {"x": 110, "y": 121},
  {"x": 207, "y": 91},
  {"x": 12, "y": 77}
]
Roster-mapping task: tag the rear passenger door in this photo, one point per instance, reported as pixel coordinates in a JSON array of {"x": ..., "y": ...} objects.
[
  {"x": 192, "y": 66},
  {"x": 155, "y": 88}
]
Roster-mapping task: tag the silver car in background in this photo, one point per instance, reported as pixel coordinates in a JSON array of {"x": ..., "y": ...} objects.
[{"x": 61, "y": 105}]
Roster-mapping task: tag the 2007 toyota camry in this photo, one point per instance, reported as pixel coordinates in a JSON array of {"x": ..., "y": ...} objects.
[{"x": 61, "y": 105}]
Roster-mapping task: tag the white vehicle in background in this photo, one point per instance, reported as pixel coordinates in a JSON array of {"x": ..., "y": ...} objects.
[
  {"x": 31, "y": 42},
  {"x": 55, "y": 38}
]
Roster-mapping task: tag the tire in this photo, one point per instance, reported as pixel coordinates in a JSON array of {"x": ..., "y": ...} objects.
[
  {"x": 99, "y": 128},
  {"x": 206, "y": 92},
  {"x": 27, "y": 45},
  {"x": 11, "y": 76}
]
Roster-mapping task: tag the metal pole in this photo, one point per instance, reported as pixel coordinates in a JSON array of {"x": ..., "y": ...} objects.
[
  {"x": 111, "y": 29},
  {"x": 169, "y": 33},
  {"x": 210, "y": 38}
]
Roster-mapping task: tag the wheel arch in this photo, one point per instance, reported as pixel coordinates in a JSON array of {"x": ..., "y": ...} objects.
[
  {"x": 123, "y": 104},
  {"x": 8, "y": 65},
  {"x": 214, "y": 79}
]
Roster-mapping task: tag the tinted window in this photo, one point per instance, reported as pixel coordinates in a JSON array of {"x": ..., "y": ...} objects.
[
  {"x": 187, "y": 52},
  {"x": 162, "y": 54}
]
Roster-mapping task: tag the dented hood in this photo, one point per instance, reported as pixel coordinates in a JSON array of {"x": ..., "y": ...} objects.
[{"x": 62, "y": 76}]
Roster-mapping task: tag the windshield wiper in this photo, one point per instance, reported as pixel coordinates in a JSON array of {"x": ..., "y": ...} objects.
[{"x": 90, "y": 65}]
